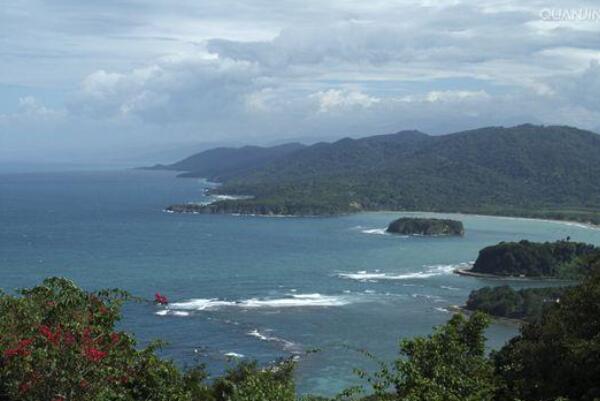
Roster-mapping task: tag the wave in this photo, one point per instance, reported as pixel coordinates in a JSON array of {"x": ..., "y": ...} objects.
[
  {"x": 290, "y": 301},
  {"x": 376, "y": 231},
  {"x": 286, "y": 344},
  {"x": 234, "y": 355},
  {"x": 429, "y": 297},
  {"x": 447, "y": 287},
  {"x": 430, "y": 271},
  {"x": 167, "y": 312}
]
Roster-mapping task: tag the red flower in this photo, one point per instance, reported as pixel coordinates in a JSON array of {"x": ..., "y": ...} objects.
[
  {"x": 20, "y": 349},
  {"x": 45, "y": 331},
  {"x": 87, "y": 335},
  {"x": 94, "y": 354},
  {"x": 9, "y": 353},
  {"x": 52, "y": 336},
  {"x": 84, "y": 384},
  {"x": 115, "y": 338},
  {"x": 69, "y": 338},
  {"x": 160, "y": 299}
]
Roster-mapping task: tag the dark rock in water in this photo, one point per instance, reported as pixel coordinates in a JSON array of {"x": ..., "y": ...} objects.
[
  {"x": 420, "y": 226},
  {"x": 187, "y": 208}
]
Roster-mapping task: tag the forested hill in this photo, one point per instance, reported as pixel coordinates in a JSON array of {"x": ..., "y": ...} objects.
[
  {"x": 550, "y": 171},
  {"x": 220, "y": 163}
]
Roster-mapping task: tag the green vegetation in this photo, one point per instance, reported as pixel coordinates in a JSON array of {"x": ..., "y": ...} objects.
[
  {"x": 219, "y": 163},
  {"x": 560, "y": 259},
  {"x": 533, "y": 171},
  {"x": 558, "y": 356},
  {"x": 420, "y": 226},
  {"x": 504, "y": 301},
  {"x": 448, "y": 365},
  {"x": 59, "y": 343}
]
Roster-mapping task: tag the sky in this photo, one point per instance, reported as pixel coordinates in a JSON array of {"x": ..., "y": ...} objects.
[{"x": 117, "y": 80}]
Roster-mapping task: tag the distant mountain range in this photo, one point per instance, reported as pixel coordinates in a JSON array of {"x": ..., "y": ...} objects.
[{"x": 528, "y": 170}]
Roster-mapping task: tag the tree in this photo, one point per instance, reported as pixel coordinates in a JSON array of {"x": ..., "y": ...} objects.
[
  {"x": 559, "y": 356},
  {"x": 59, "y": 343},
  {"x": 449, "y": 365}
]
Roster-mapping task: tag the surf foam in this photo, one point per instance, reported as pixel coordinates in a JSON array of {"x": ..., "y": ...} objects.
[
  {"x": 286, "y": 344},
  {"x": 430, "y": 271},
  {"x": 290, "y": 301}
]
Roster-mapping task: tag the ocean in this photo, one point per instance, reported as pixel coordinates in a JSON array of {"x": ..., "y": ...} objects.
[{"x": 258, "y": 287}]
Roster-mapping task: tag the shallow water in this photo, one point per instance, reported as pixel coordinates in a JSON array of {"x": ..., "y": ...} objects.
[{"x": 253, "y": 286}]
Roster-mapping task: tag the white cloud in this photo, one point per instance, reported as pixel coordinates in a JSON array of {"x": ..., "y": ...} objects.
[
  {"x": 173, "y": 90},
  {"x": 336, "y": 99},
  {"x": 259, "y": 71}
]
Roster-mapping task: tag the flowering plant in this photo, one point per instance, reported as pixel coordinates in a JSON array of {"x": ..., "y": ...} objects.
[{"x": 58, "y": 342}]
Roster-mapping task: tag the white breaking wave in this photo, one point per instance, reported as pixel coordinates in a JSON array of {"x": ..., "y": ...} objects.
[
  {"x": 167, "y": 312},
  {"x": 430, "y": 271},
  {"x": 234, "y": 355},
  {"x": 291, "y": 301},
  {"x": 377, "y": 231},
  {"x": 287, "y": 345},
  {"x": 447, "y": 287},
  {"x": 433, "y": 298}
]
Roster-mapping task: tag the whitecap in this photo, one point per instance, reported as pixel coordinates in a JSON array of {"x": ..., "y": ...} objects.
[
  {"x": 168, "y": 312},
  {"x": 286, "y": 344},
  {"x": 433, "y": 298},
  {"x": 234, "y": 355},
  {"x": 376, "y": 231},
  {"x": 290, "y": 301},
  {"x": 430, "y": 271}
]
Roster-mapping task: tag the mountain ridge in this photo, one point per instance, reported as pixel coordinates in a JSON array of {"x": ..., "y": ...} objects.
[{"x": 488, "y": 170}]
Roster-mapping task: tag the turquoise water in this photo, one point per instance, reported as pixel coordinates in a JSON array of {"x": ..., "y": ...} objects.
[{"x": 260, "y": 287}]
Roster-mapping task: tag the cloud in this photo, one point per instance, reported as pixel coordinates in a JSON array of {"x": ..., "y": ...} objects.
[
  {"x": 31, "y": 110},
  {"x": 124, "y": 72},
  {"x": 172, "y": 90},
  {"x": 580, "y": 88},
  {"x": 336, "y": 99}
]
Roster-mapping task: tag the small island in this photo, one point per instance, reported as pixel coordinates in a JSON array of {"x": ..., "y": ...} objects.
[
  {"x": 524, "y": 259},
  {"x": 505, "y": 302},
  {"x": 422, "y": 226}
]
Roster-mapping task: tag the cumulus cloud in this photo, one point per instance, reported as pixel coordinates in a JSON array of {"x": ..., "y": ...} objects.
[
  {"x": 171, "y": 90},
  {"x": 263, "y": 71},
  {"x": 336, "y": 99}
]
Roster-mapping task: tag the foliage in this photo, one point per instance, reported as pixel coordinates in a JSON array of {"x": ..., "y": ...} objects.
[
  {"x": 504, "y": 301},
  {"x": 533, "y": 171},
  {"x": 560, "y": 259},
  {"x": 559, "y": 356},
  {"x": 58, "y": 343},
  {"x": 420, "y": 226},
  {"x": 449, "y": 365},
  {"x": 247, "y": 382}
]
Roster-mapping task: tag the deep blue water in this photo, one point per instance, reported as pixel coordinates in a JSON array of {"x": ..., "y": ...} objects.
[{"x": 261, "y": 287}]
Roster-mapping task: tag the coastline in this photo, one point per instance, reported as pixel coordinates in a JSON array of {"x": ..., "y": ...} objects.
[
  {"x": 208, "y": 210},
  {"x": 222, "y": 198},
  {"x": 469, "y": 273},
  {"x": 500, "y": 319}
]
